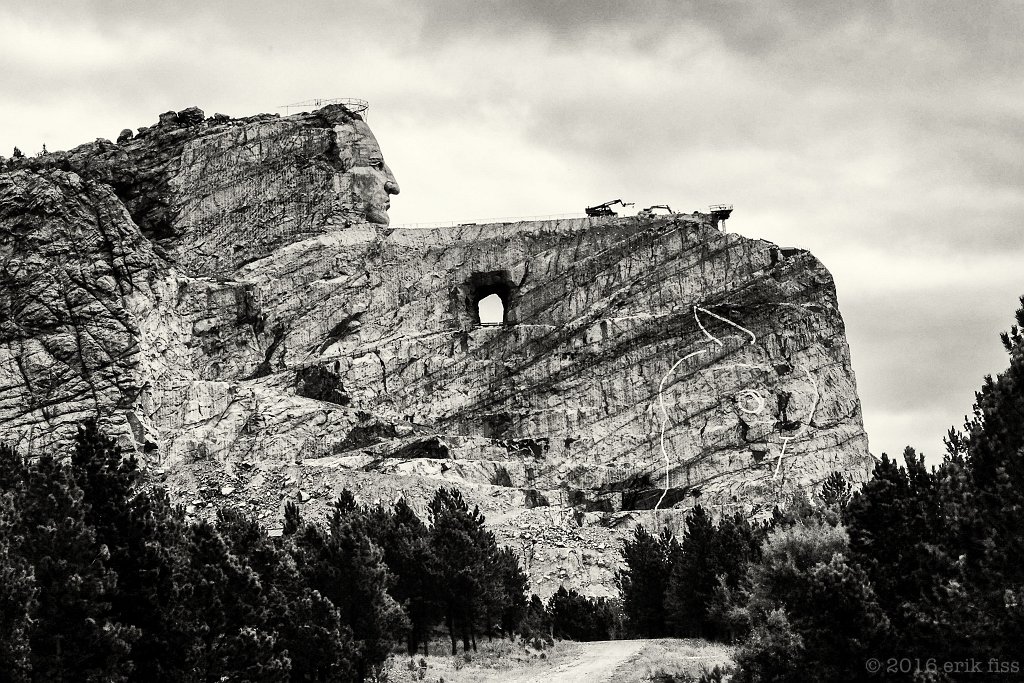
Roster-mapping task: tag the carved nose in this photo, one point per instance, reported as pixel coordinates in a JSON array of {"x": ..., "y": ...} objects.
[{"x": 391, "y": 187}]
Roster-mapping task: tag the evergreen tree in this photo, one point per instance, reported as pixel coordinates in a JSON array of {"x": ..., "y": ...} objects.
[
  {"x": 737, "y": 544},
  {"x": 145, "y": 536},
  {"x": 107, "y": 480},
  {"x": 348, "y": 569},
  {"x": 643, "y": 581},
  {"x": 306, "y": 626},
  {"x": 292, "y": 518},
  {"x": 911, "y": 532},
  {"x": 17, "y": 594},
  {"x": 460, "y": 544},
  {"x": 223, "y": 596},
  {"x": 409, "y": 557},
  {"x": 839, "y": 621},
  {"x": 535, "y": 622},
  {"x": 73, "y": 634},
  {"x": 993, "y": 450},
  {"x": 995, "y": 432},
  {"x": 514, "y": 585},
  {"x": 693, "y": 576},
  {"x": 152, "y": 562},
  {"x": 577, "y": 617},
  {"x": 836, "y": 492}
]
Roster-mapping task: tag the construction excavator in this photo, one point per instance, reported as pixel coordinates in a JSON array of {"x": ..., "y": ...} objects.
[
  {"x": 719, "y": 214},
  {"x": 606, "y": 208},
  {"x": 649, "y": 211}
]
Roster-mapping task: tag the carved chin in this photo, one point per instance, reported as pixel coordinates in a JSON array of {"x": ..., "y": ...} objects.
[{"x": 376, "y": 214}]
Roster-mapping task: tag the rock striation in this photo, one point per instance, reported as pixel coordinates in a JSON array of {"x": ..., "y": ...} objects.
[{"x": 227, "y": 295}]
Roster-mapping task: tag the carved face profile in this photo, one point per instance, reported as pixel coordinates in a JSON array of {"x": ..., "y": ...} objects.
[{"x": 366, "y": 183}]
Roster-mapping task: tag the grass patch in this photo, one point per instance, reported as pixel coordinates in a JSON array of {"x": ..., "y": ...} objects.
[
  {"x": 671, "y": 660},
  {"x": 493, "y": 661}
]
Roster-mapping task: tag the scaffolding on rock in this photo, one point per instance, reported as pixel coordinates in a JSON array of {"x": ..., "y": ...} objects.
[{"x": 353, "y": 104}]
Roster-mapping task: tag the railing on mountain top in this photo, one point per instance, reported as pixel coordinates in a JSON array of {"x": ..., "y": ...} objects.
[
  {"x": 489, "y": 221},
  {"x": 353, "y": 104}
]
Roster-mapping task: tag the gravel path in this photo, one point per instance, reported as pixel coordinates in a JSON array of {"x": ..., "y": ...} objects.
[{"x": 594, "y": 663}]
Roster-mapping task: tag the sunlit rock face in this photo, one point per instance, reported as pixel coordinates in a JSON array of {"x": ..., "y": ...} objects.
[
  {"x": 243, "y": 191},
  {"x": 227, "y": 295},
  {"x": 73, "y": 264}
]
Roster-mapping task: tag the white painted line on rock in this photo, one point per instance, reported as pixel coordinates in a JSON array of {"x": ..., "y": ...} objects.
[
  {"x": 710, "y": 336},
  {"x": 753, "y": 337},
  {"x": 778, "y": 466},
  {"x": 664, "y": 417}
]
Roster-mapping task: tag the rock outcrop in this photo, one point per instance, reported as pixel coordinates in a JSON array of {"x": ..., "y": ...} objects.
[{"x": 228, "y": 296}]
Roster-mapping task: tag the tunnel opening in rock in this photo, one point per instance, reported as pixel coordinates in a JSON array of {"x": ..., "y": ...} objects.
[
  {"x": 491, "y": 310},
  {"x": 490, "y": 299}
]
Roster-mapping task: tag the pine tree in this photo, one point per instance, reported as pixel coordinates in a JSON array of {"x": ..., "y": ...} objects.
[
  {"x": 514, "y": 586},
  {"x": 306, "y": 626},
  {"x": 535, "y": 622},
  {"x": 462, "y": 547},
  {"x": 577, "y": 617},
  {"x": 107, "y": 480},
  {"x": 737, "y": 543},
  {"x": 292, "y": 518},
  {"x": 145, "y": 536},
  {"x": 836, "y": 491},
  {"x": 347, "y": 568},
  {"x": 993, "y": 450},
  {"x": 18, "y": 594},
  {"x": 152, "y": 566},
  {"x": 223, "y": 595},
  {"x": 692, "y": 579},
  {"x": 409, "y": 557},
  {"x": 643, "y": 582},
  {"x": 912, "y": 534},
  {"x": 74, "y": 636}
]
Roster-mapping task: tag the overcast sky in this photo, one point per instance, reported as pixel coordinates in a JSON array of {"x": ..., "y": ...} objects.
[{"x": 887, "y": 138}]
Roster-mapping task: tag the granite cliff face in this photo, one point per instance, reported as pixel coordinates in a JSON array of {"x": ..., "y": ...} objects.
[{"x": 228, "y": 296}]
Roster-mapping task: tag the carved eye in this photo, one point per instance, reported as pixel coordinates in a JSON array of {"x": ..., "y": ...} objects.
[{"x": 377, "y": 163}]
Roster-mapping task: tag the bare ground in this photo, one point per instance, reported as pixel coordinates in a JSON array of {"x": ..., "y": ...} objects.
[
  {"x": 609, "y": 661},
  {"x": 592, "y": 663}
]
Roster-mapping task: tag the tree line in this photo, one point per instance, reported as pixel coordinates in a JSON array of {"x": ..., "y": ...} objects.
[
  {"x": 917, "y": 575},
  {"x": 103, "y": 578}
]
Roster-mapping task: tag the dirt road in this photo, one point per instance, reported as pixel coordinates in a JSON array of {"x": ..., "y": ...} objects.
[
  {"x": 593, "y": 663},
  {"x": 607, "y": 661}
]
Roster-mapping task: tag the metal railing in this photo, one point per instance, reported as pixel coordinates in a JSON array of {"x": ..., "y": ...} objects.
[
  {"x": 353, "y": 104},
  {"x": 490, "y": 221}
]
